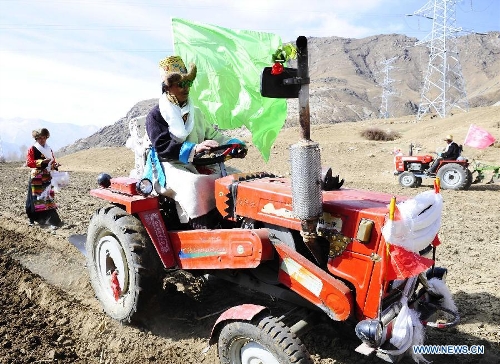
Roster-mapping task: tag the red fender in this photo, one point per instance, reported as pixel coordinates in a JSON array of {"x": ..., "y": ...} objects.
[
  {"x": 123, "y": 192},
  {"x": 244, "y": 312},
  {"x": 132, "y": 203},
  {"x": 153, "y": 222}
]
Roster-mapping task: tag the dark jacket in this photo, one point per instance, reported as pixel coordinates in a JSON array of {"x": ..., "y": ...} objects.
[
  {"x": 157, "y": 128},
  {"x": 453, "y": 151}
]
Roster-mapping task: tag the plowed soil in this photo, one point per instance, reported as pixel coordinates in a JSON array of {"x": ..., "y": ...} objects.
[{"x": 49, "y": 312}]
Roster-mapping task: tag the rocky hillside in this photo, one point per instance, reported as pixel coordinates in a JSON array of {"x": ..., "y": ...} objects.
[
  {"x": 346, "y": 74},
  {"x": 112, "y": 135},
  {"x": 346, "y": 77}
]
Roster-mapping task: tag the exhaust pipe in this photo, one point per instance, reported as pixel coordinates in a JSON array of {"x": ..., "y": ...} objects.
[{"x": 307, "y": 198}]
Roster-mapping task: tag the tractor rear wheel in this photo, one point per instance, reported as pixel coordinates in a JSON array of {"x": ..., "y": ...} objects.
[
  {"x": 123, "y": 265},
  {"x": 408, "y": 179},
  {"x": 469, "y": 180},
  {"x": 264, "y": 340},
  {"x": 454, "y": 176}
]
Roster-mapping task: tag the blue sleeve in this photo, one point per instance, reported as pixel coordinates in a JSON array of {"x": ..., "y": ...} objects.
[
  {"x": 236, "y": 141},
  {"x": 185, "y": 152}
]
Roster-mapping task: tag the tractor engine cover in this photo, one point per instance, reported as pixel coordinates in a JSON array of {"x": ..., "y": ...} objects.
[
  {"x": 403, "y": 163},
  {"x": 415, "y": 167}
]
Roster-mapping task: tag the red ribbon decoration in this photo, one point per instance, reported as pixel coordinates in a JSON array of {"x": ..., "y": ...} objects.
[
  {"x": 115, "y": 286},
  {"x": 277, "y": 68}
]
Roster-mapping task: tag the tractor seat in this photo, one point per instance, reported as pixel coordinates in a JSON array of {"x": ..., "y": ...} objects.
[{"x": 460, "y": 157}]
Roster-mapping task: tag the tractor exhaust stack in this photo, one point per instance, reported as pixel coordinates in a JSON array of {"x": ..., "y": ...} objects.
[
  {"x": 303, "y": 76},
  {"x": 305, "y": 161}
]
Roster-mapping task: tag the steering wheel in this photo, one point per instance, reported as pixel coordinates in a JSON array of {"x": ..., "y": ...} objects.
[{"x": 219, "y": 154}]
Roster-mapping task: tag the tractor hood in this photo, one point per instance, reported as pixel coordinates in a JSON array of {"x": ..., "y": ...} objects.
[{"x": 265, "y": 197}]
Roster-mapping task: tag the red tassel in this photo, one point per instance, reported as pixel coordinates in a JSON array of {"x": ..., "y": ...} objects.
[
  {"x": 115, "y": 285},
  {"x": 436, "y": 241},
  {"x": 404, "y": 263}
]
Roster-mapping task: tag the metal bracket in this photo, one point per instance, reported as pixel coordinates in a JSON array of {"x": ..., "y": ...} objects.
[
  {"x": 297, "y": 81},
  {"x": 338, "y": 242}
]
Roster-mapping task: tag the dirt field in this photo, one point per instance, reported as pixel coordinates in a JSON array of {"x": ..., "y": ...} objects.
[{"x": 49, "y": 313}]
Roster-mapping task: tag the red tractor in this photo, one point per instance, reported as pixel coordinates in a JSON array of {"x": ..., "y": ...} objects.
[
  {"x": 304, "y": 240},
  {"x": 453, "y": 174}
]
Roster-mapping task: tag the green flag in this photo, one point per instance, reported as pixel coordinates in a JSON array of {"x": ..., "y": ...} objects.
[{"x": 227, "y": 86}]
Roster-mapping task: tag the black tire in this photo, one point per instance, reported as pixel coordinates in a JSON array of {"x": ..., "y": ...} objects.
[
  {"x": 265, "y": 339},
  {"x": 117, "y": 240},
  {"x": 453, "y": 176},
  {"x": 469, "y": 180},
  {"x": 419, "y": 181},
  {"x": 408, "y": 179}
]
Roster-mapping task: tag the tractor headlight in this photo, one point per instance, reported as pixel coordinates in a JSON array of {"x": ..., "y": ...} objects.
[
  {"x": 144, "y": 187},
  {"x": 370, "y": 332}
]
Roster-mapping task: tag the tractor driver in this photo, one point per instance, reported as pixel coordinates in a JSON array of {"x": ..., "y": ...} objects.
[
  {"x": 452, "y": 151},
  {"x": 178, "y": 130}
]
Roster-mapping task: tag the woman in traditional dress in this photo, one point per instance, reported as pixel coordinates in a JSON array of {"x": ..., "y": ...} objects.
[{"x": 40, "y": 204}]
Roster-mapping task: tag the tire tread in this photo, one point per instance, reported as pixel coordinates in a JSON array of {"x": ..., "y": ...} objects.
[
  {"x": 268, "y": 332},
  {"x": 144, "y": 263}
]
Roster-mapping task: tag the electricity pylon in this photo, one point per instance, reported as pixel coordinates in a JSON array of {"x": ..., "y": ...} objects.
[
  {"x": 444, "y": 85},
  {"x": 387, "y": 90}
]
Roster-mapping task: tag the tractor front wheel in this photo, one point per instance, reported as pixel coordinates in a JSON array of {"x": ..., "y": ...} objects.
[
  {"x": 454, "y": 176},
  {"x": 408, "y": 179},
  {"x": 264, "y": 340},
  {"x": 123, "y": 265}
]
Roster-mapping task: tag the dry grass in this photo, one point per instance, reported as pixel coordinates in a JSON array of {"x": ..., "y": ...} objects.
[{"x": 379, "y": 134}]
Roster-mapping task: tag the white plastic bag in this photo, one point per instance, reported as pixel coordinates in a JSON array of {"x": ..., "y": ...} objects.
[
  {"x": 420, "y": 221},
  {"x": 59, "y": 180}
]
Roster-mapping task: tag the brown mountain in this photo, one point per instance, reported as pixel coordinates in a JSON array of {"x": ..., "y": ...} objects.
[{"x": 346, "y": 77}]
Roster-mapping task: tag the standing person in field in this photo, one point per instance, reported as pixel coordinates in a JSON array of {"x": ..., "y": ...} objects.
[
  {"x": 178, "y": 130},
  {"x": 40, "y": 205}
]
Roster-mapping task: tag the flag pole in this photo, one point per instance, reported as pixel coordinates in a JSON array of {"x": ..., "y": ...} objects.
[
  {"x": 392, "y": 208},
  {"x": 392, "y": 212}
]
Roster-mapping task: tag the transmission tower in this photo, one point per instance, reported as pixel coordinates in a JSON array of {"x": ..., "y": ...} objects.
[
  {"x": 387, "y": 90},
  {"x": 444, "y": 85}
]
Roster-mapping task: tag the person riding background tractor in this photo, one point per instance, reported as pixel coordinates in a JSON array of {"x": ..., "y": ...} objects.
[
  {"x": 178, "y": 131},
  {"x": 451, "y": 152}
]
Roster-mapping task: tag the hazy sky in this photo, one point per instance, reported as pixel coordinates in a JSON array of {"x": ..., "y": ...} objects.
[{"x": 90, "y": 61}]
